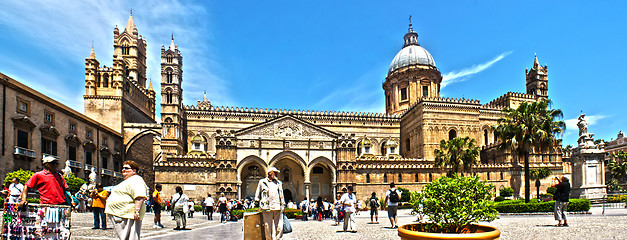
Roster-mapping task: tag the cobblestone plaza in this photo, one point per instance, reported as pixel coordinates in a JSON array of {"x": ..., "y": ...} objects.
[{"x": 582, "y": 226}]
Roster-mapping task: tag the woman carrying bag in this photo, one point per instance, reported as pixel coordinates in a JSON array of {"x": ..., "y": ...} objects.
[{"x": 179, "y": 203}]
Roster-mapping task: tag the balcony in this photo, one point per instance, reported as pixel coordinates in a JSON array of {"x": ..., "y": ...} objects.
[
  {"x": 118, "y": 175},
  {"x": 107, "y": 172},
  {"x": 89, "y": 167},
  {"x": 75, "y": 164},
  {"x": 24, "y": 152}
]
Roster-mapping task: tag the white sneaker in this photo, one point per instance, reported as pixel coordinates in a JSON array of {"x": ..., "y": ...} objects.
[{"x": 156, "y": 226}]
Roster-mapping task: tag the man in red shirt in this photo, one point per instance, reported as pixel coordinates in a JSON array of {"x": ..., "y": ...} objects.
[{"x": 49, "y": 182}]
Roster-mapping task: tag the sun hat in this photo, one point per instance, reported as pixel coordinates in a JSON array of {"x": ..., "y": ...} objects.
[
  {"x": 273, "y": 169},
  {"x": 48, "y": 159}
]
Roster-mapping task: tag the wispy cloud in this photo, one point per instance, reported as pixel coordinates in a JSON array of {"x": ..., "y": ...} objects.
[
  {"x": 571, "y": 124},
  {"x": 357, "y": 97},
  {"x": 67, "y": 28},
  {"x": 464, "y": 74}
]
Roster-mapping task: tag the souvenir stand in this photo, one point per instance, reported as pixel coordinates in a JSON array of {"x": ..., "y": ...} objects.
[{"x": 35, "y": 222}]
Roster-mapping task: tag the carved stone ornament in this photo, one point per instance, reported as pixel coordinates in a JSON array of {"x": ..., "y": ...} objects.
[{"x": 286, "y": 127}]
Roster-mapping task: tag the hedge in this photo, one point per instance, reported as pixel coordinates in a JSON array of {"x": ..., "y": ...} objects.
[
  {"x": 518, "y": 206},
  {"x": 617, "y": 199},
  {"x": 29, "y": 200}
]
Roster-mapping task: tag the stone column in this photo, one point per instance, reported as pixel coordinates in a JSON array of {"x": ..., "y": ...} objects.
[
  {"x": 239, "y": 190},
  {"x": 334, "y": 189},
  {"x": 307, "y": 189}
]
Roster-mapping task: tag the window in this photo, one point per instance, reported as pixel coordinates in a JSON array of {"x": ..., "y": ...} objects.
[
  {"x": 168, "y": 59},
  {"x": 318, "y": 170},
  {"x": 502, "y": 176},
  {"x": 126, "y": 50},
  {"x": 415, "y": 177},
  {"x": 169, "y": 97},
  {"x": 387, "y": 100},
  {"x": 392, "y": 149},
  {"x": 383, "y": 149},
  {"x": 23, "y": 106},
  {"x": 430, "y": 177},
  {"x": 72, "y": 127},
  {"x": 71, "y": 153},
  {"x": 48, "y": 146},
  {"x": 385, "y": 178},
  {"x": 485, "y": 136},
  {"x": 22, "y": 139},
  {"x": 452, "y": 134},
  {"x": 49, "y": 118},
  {"x": 116, "y": 166},
  {"x": 196, "y": 146},
  {"x": 286, "y": 175},
  {"x": 88, "y": 158},
  {"x": 88, "y": 134},
  {"x": 488, "y": 175},
  {"x": 403, "y": 94},
  {"x": 400, "y": 177},
  {"x": 425, "y": 91},
  {"x": 104, "y": 141},
  {"x": 105, "y": 161},
  {"x": 367, "y": 178},
  {"x": 366, "y": 149},
  {"x": 168, "y": 77},
  {"x": 105, "y": 80}
]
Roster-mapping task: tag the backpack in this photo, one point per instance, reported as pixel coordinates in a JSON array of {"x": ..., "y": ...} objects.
[
  {"x": 374, "y": 203},
  {"x": 394, "y": 198}
]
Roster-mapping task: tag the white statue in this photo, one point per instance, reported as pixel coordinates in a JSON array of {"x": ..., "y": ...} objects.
[
  {"x": 583, "y": 125},
  {"x": 67, "y": 170},
  {"x": 92, "y": 177}
]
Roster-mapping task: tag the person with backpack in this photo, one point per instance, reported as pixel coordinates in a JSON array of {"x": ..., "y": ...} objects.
[
  {"x": 374, "y": 208},
  {"x": 179, "y": 201},
  {"x": 392, "y": 197}
]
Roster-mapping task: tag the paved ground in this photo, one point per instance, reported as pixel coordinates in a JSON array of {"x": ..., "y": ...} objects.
[{"x": 612, "y": 225}]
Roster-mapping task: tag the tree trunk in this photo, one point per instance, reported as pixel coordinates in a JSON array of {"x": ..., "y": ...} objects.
[
  {"x": 538, "y": 189},
  {"x": 527, "y": 180}
]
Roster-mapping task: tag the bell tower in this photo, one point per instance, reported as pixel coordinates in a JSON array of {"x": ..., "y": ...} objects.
[
  {"x": 132, "y": 48},
  {"x": 537, "y": 80},
  {"x": 173, "y": 136}
]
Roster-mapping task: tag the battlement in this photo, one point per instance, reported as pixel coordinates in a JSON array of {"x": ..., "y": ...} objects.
[
  {"x": 502, "y": 101},
  {"x": 304, "y": 113},
  {"x": 459, "y": 101}
]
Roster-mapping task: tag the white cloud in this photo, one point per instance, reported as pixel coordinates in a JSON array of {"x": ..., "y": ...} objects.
[
  {"x": 358, "y": 97},
  {"x": 571, "y": 124},
  {"x": 65, "y": 29},
  {"x": 462, "y": 75}
]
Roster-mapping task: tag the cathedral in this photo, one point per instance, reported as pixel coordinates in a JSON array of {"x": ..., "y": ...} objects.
[{"x": 218, "y": 149}]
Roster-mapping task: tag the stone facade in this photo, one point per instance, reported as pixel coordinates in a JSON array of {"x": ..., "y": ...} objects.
[
  {"x": 228, "y": 149},
  {"x": 34, "y": 125}
]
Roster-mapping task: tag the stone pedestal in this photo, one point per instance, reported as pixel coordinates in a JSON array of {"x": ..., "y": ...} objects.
[{"x": 588, "y": 170}]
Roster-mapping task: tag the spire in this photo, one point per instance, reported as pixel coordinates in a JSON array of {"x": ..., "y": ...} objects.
[
  {"x": 150, "y": 86},
  {"x": 172, "y": 46},
  {"x": 130, "y": 25},
  {"x": 204, "y": 97},
  {"x": 92, "y": 55},
  {"x": 535, "y": 61},
  {"x": 411, "y": 37}
]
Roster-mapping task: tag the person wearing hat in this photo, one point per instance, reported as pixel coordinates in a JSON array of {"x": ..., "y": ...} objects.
[
  {"x": 270, "y": 196},
  {"x": 349, "y": 202},
  {"x": 49, "y": 182}
]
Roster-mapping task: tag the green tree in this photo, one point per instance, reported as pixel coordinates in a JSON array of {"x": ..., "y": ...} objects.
[
  {"x": 74, "y": 183},
  {"x": 22, "y": 175},
  {"x": 405, "y": 194},
  {"x": 506, "y": 192},
  {"x": 457, "y": 152},
  {"x": 530, "y": 126},
  {"x": 618, "y": 166},
  {"x": 539, "y": 174}
]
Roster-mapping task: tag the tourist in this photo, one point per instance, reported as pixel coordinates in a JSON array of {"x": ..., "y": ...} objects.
[
  {"x": 179, "y": 202},
  {"x": 98, "y": 203},
  {"x": 126, "y": 204},
  {"x": 349, "y": 201},
  {"x": 562, "y": 194},
  {"x": 190, "y": 205},
  {"x": 270, "y": 196},
  {"x": 337, "y": 205},
  {"x": 49, "y": 182},
  {"x": 223, "y": 207},
  {"x": 156, "y": 205},
  {"x": 15, "y": 190},
  {"x": 358, "y": 208},
  {"x": 374, "y": 208},
  {"x": 81, "y": 197},
  {"x": 392, "y": 197},
  {"x": 5, "y": 191},
  {"x": 319, "y": 208},
  {"x": 209, "y": 207},
  {"x": 327, "y": 208},
  {"x": 304, "y": 206}
]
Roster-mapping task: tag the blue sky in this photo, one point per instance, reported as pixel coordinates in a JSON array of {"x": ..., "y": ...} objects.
[{"x": 334, "y": 55}]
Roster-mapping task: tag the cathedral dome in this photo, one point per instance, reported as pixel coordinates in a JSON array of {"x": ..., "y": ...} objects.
[{"x": 412, "y": 53}]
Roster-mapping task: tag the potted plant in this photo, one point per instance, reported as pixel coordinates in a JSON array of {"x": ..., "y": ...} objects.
[{"x": 454, "y": 205}]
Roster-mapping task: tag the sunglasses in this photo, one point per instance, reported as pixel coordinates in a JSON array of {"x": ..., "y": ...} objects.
[{"x": 127, "y": 168}]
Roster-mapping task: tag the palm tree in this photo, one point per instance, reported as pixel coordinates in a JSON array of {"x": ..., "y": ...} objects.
[
  {"x": 457, "y": 152},
  {"x": 618, "y": 169},
  {"x": 539, "y": 174},
  {"x": 531, "y": 126}
]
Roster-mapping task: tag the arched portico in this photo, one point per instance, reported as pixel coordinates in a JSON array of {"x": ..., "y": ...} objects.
[
  {"x": 322, "y": 176},
  {"x": 249, "y": 171},
  {"x": 292, "y": 173}
]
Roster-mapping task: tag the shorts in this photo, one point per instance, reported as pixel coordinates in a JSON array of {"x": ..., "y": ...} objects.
[
  {"x": 374, "y": 211},
  {"x": 392, "y": 211},
  {"x": 156, "y": 209}
]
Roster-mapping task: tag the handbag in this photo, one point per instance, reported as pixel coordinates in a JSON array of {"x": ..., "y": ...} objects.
[
  {"x": 185, "y": 208},
  {"x": 287, "y": 227}
]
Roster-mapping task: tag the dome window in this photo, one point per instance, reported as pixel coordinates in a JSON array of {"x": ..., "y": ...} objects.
[
  {"x": 425, "y": 91},
  {"x": 404, "y": 94}
]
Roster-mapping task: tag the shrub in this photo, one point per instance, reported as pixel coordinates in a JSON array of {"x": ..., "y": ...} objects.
[
  {"x": 499, "y": 199},
  {"x": 551, "y": 190},
  {"x": 506, "y": 192},
  {"x": 197, "y": 208},
  {"x": 22, "y": 175},
  {"x": 575, "y": 205},
  {"x": 453, "y": 203},
  {"x": 74, "y": 182},
  {"x": 617, "y": 199},
  {"x": 291, "y": 213},
  {"x": 405, "y": 194}
]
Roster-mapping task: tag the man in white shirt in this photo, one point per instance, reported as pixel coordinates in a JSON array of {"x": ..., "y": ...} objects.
[
  {"x": 270, "y": 196},
  {"x": 392, "y": 197},
  {"x": 304, "y": 207},
  {"x": 209, "y": 206},
  {"x": 349, "y": 201},
  {"x": 15, "y": 190}
]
